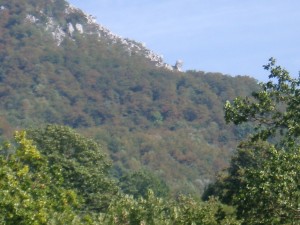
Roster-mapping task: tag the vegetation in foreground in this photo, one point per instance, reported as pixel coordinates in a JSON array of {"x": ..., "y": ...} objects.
[
  {"x": 68, "y": 183},
  {"x": 263, "y": 181}
]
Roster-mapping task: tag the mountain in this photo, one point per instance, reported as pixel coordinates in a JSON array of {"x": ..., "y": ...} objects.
[
  {"x": 59, "y": 66},
  {"x": 64, "y": 21}
]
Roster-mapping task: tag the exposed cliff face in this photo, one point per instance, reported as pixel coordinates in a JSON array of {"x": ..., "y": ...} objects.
[{"x": 73, "y": 20}]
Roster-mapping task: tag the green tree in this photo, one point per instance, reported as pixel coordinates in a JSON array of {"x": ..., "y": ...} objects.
[
  {"x": 274, "y": 109},
  {"x": 152, "y": 210},
  {"x": 138, "y": 184},
  {"x": 268, "y": 188},
  {"x": 263, "y": 179},
  {"x": 84, "y": 166},
  {"x": 29, "y": 192}
]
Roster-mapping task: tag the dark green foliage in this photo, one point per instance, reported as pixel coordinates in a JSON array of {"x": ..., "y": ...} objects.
[
  {"x": 83, "y": 164},
  {"x": 138, "y": 184},
  {"x": 35, "y": 189},
  {"x": 38, "y": 188},
  {"x": 30, "y": 191},
  {"x": 263, "y": 178},
  {"x": 157, "y": 211}
]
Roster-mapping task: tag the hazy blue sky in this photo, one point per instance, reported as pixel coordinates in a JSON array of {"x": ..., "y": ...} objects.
[{"x": 229, "y": 36}]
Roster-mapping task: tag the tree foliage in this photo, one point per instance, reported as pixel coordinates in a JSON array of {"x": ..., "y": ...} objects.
[
  {"x": 139, "y": 183},
  {"x": 155, "y": 211},
  {"x": 29, "y": 192},
  {"x": 33, "y": 190},
  {"x": 83, "y": 164},
  {"x": 274, "y": 110},
  {"x": 263, "y": 178}
]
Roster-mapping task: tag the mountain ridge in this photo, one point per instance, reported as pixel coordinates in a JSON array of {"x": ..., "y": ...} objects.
[
  {"x": 87, "y": 25},
  {"x": 147, "y": 117}
]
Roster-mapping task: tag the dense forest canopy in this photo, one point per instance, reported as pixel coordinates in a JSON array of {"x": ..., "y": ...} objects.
[
  {"x": 146, "y": 117},
  {"x": 68, "y": 181},
  {"x": 106, "y": 133}
]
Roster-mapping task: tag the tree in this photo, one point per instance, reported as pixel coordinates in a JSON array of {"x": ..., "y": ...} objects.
[
  {"x": 158, "y": 211},
  {"x": 274, "y": 110},
  {"x": 33, "y": 191},
  {"x": 263, "y": 179},
  {"x": 138, "y": 184},
  {"x": 84, "y": 165},
  {"x": 263, "y": 183},
  {"x": 29, "y": 193}
]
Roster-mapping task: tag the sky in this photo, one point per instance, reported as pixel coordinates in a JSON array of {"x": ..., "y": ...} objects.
[{"x": 232, "y": 37}]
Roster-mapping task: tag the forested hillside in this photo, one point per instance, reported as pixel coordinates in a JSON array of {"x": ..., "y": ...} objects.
[
  {"x": 97, "y": 129},
  {"x": 54, "y": 175},
  {"x": 58, "y": 67}
]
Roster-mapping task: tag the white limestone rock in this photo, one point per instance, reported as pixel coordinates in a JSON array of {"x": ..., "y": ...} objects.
[
  {"x": 70, "y": 29},
  {"x": 57, "y": 31},
  {"x": 90, "y": 26},
  {"x": 59, "y": 35},
  {"x": 91, "y": 19},
  {"x": 178, "y": 65},
  {"x": 31, "y": 18},
  {"x": 168, "y": 67},
  {"x": 70, "y": 9},
  {"x": 79, "y": 28}
]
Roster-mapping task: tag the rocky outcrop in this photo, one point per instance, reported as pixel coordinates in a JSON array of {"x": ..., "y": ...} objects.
[
  {"x": 92, "y": 27},
  {"x": 56, "y": 30},
  {"x": 87, "y": 26},
  {"x": 70, "y": 29},
  {"x": 31, "y": 19},
  {"x": 79, "y": 28},
  {"x": 178, "y": 65}
]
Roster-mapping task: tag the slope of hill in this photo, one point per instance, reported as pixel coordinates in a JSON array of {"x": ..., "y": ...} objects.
[{"x": 58, "y": 66}]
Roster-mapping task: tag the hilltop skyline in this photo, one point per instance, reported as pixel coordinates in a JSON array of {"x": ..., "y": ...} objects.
[{"x": 229, "y": 37}]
